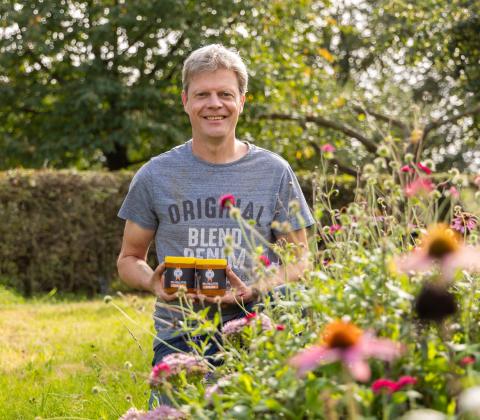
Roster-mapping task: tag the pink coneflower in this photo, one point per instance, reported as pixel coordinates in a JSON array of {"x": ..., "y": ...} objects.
[
  {"x": 406, "y": 169},
  {"x": 327, "y": 148},
  {"x": 334, "y": 228},
  {"x": 464, "y": 222},
  {"x": 265, "y": 260},
  {"x": 419, "y": 186},
  {"x": 342, "y": 341},
  {"x": 443, "y": 247},
  {"x": 424, "y": 168},
  {"x": 227, "y": 201}
]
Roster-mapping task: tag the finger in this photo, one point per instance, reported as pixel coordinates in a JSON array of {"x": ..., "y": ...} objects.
[
  {"x": 234, "y": 279},
  {"x": 168, "y": 297}
]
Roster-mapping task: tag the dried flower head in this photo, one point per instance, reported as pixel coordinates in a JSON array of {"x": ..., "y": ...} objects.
[{"x": 435, "y": 303}]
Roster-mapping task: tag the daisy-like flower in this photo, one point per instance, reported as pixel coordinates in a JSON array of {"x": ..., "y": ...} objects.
[
  {"x": 343, "y": 341},
  {"x": 227, "y": 201},
  {"x": 464, "y": 222},
  {"x": 418, "y": 187},
  {"x": 327, "y": 148},
  {"x": 443, "y": 247}
]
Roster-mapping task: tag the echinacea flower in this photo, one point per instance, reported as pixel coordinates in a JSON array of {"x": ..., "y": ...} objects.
[
  {"x": 227, "y": 201},
  {"x": 464, "y": 222},
  {"x": 343, "y": 341},
  {"x": 435, "y": 303},
  {"x": 419, "y": 187},
  {"x": 424, "y": 168},
  {"x": 327, "y": 148},
  {"x": 443, "y": 247}
]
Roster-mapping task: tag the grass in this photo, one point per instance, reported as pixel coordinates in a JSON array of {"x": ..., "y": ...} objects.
[{"x": 72, "y": 360}]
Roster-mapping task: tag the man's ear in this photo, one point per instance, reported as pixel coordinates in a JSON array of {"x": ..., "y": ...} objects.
[
  {"x": 184, "y": 99},
  {"x": 242, "y": 102}
]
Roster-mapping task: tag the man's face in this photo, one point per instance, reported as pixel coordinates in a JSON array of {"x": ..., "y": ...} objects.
[{"x": 213, "y": 103}]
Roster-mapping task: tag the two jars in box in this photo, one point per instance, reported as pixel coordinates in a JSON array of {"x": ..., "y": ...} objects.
[{"x": 197, "y": 275}]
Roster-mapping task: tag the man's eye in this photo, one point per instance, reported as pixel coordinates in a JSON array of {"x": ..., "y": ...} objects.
[
  {"x": 201, "y": 94},
  {"x": 227, "y": 94}
]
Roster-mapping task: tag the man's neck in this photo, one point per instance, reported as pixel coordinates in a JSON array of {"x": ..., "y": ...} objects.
[{"x": 225, "y": 151}]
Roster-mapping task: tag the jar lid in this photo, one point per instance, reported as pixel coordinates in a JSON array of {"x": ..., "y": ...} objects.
[
  {"x": 211, "y": 262},
  {"x": 179, "y": 260}
]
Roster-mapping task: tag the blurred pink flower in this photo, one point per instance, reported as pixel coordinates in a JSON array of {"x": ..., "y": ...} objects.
[
  {"x": 424, "y": 168},
  {"x": 454, "y": 192},
  {"x": 405, "y": 381},
  {"x": 280, "y": 327},
  {"x": 392, "y": 386},
  {"x": 173, "y": 364},
  {"x": 476, "y": 181},
  {"x": 237, "y": 325},
  {"x": 467, "y": 360},
  {"x": 334, "y": 228},
  {"x": 227, "y": 200},
  {"x": 161, "y": 412},
  {"x": 380, "y": 384},
  {"x": 406, "y": 169},
  {"x": 327, "y": 148},
  {"x": 419, "y": 186},
  {"x": 265, "y": 260},
  {"x": 342, "y": 341},
  {"x": 442, "y": 247}
]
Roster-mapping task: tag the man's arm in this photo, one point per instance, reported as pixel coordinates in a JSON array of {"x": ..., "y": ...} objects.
[{"x": 132, "y": 262}]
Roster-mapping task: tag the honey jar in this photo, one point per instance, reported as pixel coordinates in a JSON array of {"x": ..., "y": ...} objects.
[
  {"x": 211, "y": 276},
  {"x": 179, "y": 271}
]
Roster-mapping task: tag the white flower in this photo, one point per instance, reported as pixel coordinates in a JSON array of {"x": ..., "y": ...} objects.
[
  {"x": 469, "y": 400},
  {"x": 424, "y": 414}
]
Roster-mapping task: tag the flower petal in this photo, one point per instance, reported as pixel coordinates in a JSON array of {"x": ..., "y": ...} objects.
[
  {"x": 466, "y": 258},
  {"x": 380, "y": 348},
  {"x": 311, "y": 357}
]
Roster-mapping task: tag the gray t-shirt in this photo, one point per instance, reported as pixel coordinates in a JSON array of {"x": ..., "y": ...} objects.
[{"x": 176, "y": 194}]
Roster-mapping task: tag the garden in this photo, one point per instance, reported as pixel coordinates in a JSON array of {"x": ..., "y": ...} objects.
[{"x": 375, "y": 104}]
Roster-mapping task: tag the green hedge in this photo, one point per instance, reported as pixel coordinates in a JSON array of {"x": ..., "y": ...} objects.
[{"x": 59, "y": 229}]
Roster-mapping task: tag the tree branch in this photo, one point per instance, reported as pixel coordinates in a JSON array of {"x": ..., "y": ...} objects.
[
  {"x": 323, "y": 122},
  {"x": 343, "y": 168},
  {"x": 393, "y": 121},
  {"x": 442, "y": 121}
]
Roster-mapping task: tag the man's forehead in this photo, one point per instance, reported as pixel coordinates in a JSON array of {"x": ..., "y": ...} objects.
[{"x": 218, "y": 79}]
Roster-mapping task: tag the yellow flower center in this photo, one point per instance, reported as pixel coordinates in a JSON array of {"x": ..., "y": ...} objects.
[
  {"x": 339, "y": 334},
  {"x": 440, "y": 241}
]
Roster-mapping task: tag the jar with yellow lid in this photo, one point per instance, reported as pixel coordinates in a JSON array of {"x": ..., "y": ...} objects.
[
  {"x": 211, "y": 276},
  {"x": 179, "y": 271}
]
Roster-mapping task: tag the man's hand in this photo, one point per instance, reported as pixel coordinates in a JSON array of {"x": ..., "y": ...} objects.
[
  {"x": 239, "y": 292},
  {"x": 157, "y": 284}
]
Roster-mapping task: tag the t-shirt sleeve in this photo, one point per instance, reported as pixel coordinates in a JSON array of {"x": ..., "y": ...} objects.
[
  {"x": 138, "y": 205},
  {"x": 291, "y": 205}
]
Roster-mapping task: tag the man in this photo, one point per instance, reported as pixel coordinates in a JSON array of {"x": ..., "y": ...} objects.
[{"x": 173, "y": 199}]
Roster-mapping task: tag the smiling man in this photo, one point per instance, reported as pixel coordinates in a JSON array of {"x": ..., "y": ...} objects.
[{"x": 174, "y": 200}]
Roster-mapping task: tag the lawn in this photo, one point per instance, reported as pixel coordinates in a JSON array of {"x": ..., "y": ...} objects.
[{"x": 73, "y": 359}]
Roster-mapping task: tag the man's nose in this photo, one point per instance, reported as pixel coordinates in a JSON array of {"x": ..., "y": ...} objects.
[{"x": 214, "y": 101}]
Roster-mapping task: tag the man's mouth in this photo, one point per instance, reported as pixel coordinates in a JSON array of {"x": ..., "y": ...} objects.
[{"x": 215, "y": 118}]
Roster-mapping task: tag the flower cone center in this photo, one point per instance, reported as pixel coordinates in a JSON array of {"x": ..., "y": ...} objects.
[
  {"x": 440, "y": 242},
  {"x": 341, "y": 335}
]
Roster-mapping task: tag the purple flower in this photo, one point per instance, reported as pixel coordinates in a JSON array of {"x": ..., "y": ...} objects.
[
  {"x": 464, "y": 222},
  {"x": 342, "y": 341},
  {"x": 161, "y": 412}
]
